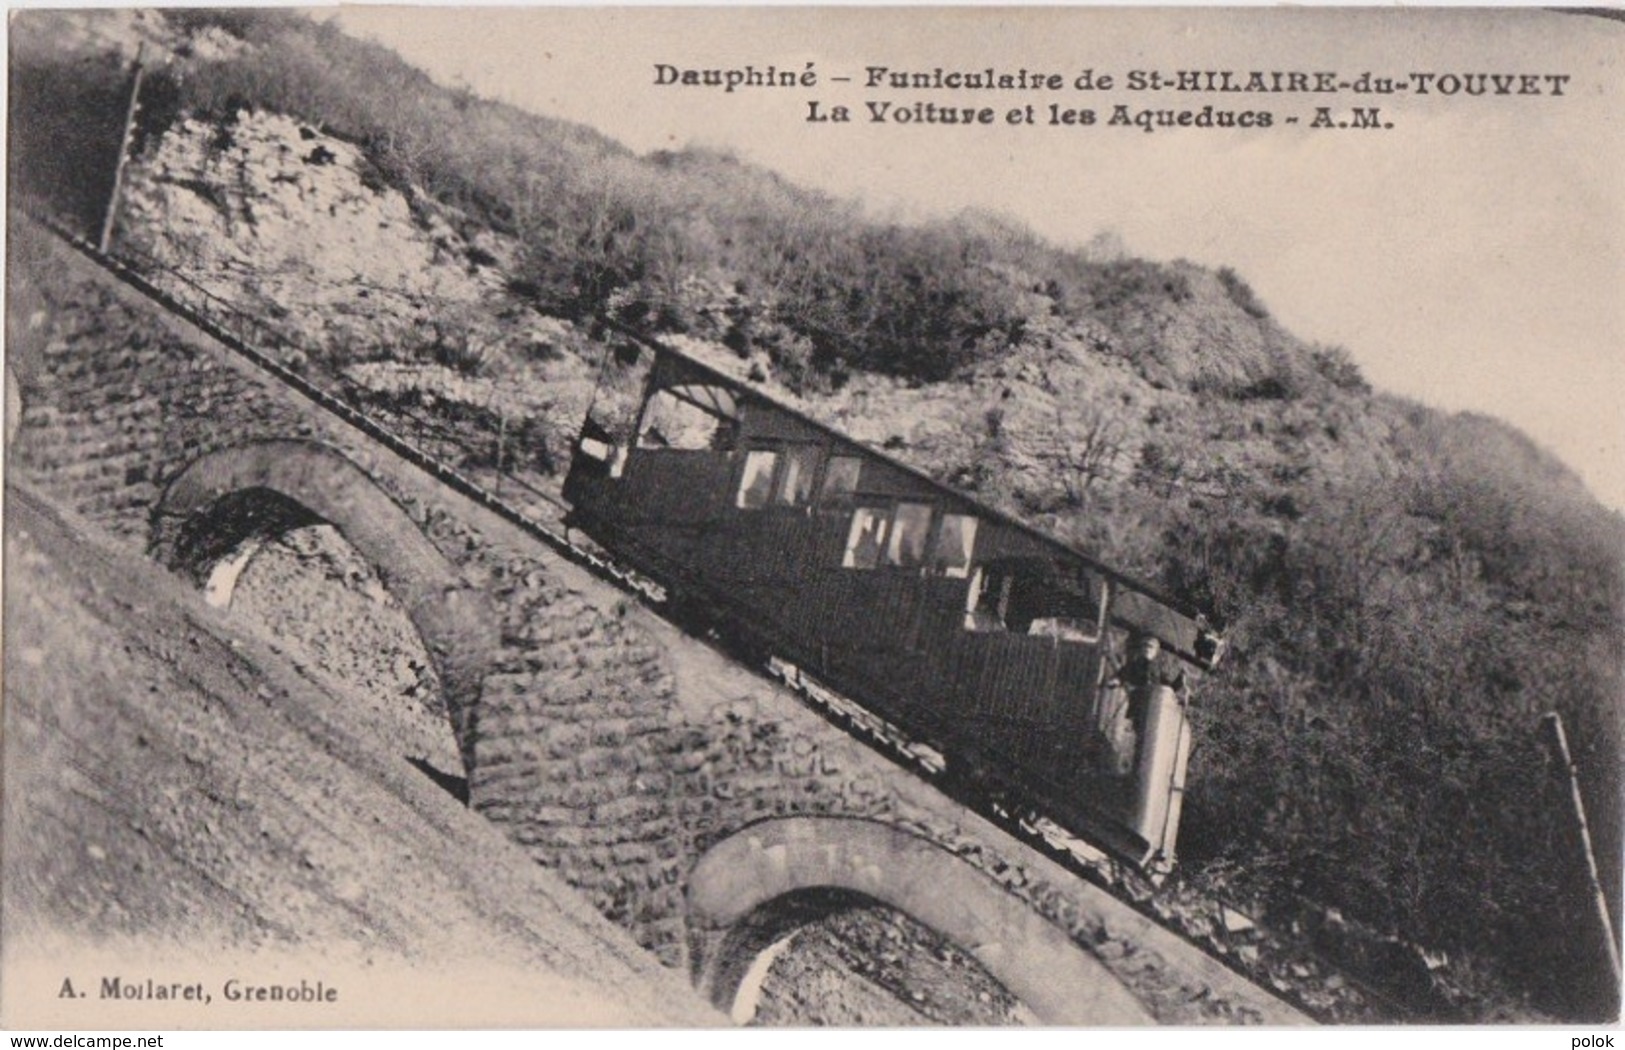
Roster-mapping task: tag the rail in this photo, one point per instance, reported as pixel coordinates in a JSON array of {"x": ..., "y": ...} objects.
[{"x": 249, "y": 337}]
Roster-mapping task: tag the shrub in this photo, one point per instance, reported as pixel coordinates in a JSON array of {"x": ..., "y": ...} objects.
[
  {"x": 1384, "y": 699},
  {"x": 1337, "y": 365},
  {"x": 66, "y": 126},
  {"x": 1241, "y": 293}
]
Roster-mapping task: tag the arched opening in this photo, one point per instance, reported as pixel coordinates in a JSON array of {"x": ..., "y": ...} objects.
[
  {"x": 282, "y": 569},
  {"x": 738, "y": 889},
  {"x": 216, "y": 543},
  {"x": 295, "y": 536},
  {"x": 831, "y": 957}
]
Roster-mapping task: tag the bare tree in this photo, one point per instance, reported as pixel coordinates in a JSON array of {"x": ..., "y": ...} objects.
[{"x": 1089, "y": 446}]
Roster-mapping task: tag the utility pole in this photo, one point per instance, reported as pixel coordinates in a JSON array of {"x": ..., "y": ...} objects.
[
  {"x": 134, "y": 107},
  {"x": 1552, "y": 722}
]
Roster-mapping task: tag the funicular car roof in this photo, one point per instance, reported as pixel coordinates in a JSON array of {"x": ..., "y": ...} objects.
[{"x": 744, "y": 394}]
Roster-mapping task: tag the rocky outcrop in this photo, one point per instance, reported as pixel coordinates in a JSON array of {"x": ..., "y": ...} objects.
[{"x": 271, "y": 215}]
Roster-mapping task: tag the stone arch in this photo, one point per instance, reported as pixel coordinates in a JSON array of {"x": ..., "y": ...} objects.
[
  {"x": 752, "y": 871},
  {"x": 258, "y": 490}
]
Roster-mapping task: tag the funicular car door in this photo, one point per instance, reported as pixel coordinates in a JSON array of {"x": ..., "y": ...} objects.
[
  {"x": 674, "y": 485},
  {"x": 1026, "y": 664},
  {"x": 765, "y": 541},
  {"x": 874, "y": 527}
]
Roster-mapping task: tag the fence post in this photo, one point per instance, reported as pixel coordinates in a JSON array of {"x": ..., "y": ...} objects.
[
  {"x": 106, "y": 241},
  {"x": 502, "y": 441},
  {"x": 1558, "y": 740}
]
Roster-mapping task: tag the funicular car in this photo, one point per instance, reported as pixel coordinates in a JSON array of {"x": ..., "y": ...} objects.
[{"x": 971, "y": 632}]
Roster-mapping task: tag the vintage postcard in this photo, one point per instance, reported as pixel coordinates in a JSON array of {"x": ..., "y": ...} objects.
[{"x": 691, "y": 517}]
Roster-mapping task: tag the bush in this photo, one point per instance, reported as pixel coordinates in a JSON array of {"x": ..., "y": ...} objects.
[
  {"x": 1241, "y": 293},
  {"x": 66, "y": 126},
  {"x": 1124, "y": 283},
  {"x": 1337, "y": 366},
  {"x": 1372, "y": 746}
]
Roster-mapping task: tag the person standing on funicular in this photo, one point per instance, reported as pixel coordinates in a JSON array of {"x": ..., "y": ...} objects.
[{"x": 1145, "y": 668}]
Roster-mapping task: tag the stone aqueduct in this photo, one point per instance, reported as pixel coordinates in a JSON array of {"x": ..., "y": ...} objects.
[{"x": 683, "y": 796}]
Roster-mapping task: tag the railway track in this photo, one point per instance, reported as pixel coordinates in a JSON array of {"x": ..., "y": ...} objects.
[{"x": 1352, "y": 1000}]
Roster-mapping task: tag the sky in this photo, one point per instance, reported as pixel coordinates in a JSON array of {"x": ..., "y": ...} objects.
[{"x": 1471, "y": 256}]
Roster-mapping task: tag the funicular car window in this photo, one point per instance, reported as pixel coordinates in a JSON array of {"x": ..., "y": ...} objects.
[
  {"x": 911, "y": 524},
  {"x": 1065, "y": 629},
  {"x": 956, "y": 541},
  {"x": 987, "y": 601},
  {"x": 1070, "y": 607},
  {"x": 756, "y": 484},
  {"x": 796, "y": 477},
  {"x": 866, "y": 539},
  {"x": 686, "y": 418},
  {"x": 841, "y": 478},
  {"x": 1034, "y": 598}
]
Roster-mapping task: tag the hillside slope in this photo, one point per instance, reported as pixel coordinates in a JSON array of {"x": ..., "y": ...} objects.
[{"x": 180, "y": 804}]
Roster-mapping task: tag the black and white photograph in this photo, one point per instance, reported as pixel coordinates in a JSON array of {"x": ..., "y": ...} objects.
[{"x": 926, "y": 517}]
